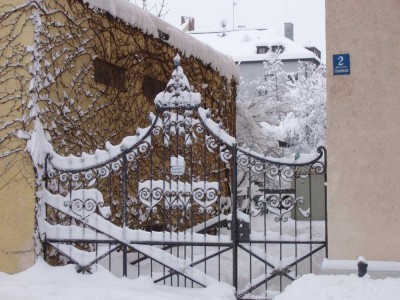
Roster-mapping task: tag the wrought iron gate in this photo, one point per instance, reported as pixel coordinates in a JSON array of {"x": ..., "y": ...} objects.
[{"x": 182, "y": 203}]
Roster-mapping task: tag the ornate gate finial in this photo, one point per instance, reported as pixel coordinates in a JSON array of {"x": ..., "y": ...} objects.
[
  {"x": 178, "y": 93},
  {"x": 177, "y": 60}
]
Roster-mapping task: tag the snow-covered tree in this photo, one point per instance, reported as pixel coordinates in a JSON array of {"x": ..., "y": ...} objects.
[
  {"x": 270, "y": 104},
  {"x": 304, "y": 129},
  {"x": 286, "y": 107}
]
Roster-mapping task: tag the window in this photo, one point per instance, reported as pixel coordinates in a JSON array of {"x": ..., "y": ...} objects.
[
  {"x": 315, "y": 51},
  {"x": 283, "y": 144},
  {"x": 278, "y": 48},
  {"x": 262, "y": 49},
  {"x": 109, "y": 74},
  {"x": 269, "y": 76},
  {"x": 151, "y": 87},
  {"x": 293, "y": 77}
]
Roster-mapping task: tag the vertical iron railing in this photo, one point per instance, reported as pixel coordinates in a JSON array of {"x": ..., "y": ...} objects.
[
  {"x": 124, "y": 221},
  {"x": 326, "y": 203},
  {"x": 46, "y": 185},
  {"x": 234, "y": 228}
]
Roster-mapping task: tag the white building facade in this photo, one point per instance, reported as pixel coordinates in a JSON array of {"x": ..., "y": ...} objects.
[{"x": 249, "y": 48}]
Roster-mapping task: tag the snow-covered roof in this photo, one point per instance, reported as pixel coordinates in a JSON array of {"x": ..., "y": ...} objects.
[
  {"x": 150, "y": 24},
  {"x": 242, "y": 44}
]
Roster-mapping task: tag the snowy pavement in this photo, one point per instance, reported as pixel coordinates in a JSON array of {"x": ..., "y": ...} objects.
[
  {"x": 61, "y": 283},
  {"x": 341, "y": 287}
]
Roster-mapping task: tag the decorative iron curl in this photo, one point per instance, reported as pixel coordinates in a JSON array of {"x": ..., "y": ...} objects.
[
  {"x": 82, "y": 208},
  {"x": 166, "y": 117},
  {"x": 321, "y": 151},
  {"x": 272, "y": 170},
  {"x": 225, "y": 155},
  {"x": 144, "y": 194},
  {"x": 170, "y": 194},
  {"x": 76, "y": 177},
  {"x": 157, "y": 194},
  {"x": 283, "y": 217},
  {"x": 64, "y": 177},
  {"x": 282, "y": 206},
  {"x": 273, "y": 201},
  {"x": 305, "y": 213},
  {"x": 198, "y": 195},
  {"x": 288, "y": 173},
  {"x": 89, "y": 175},
  {"x": 318, "y": 167},
  {"x": 243, "y": 161},
  {"x": 144, "y": 148},
  {"x": 173, "y": 128},
  {"x": 131, "y": 156},
  {"x": 259, "y": 208},
  {"x": 116, "y": 165},
  {"x": 287, "y": 202},
  {"x": 103, "y": 171},
  {"x": 258, "y": 166},
  {"x": 211, "y": 143},
  {"x": 51, "y": 174},
  {"x": 211, "y": 194},
  {"x": 157, "y": 130},
  {"x": 182, "y": 128},
  {"x": 198, "y": 128}
]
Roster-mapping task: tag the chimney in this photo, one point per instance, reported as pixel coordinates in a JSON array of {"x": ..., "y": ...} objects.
[
  {"x": 289, "y": 31},
  {"x": 189, "y": 21}
]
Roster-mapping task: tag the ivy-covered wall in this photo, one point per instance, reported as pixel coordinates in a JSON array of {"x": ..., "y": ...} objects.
[
  {"x": 89, "y": 78},
  {"x": 80, "y": 113}
]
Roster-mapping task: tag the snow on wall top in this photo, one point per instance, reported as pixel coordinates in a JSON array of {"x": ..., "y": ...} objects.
[
  {"x": 242, "y": 45},
  {"x": 150, "y": 24}
]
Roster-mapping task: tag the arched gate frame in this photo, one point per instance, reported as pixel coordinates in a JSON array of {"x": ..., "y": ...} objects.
[{"x": 182, "y": 203}]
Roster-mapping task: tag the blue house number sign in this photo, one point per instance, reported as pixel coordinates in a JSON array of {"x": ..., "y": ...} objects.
[{"x": 341, "y": 64}]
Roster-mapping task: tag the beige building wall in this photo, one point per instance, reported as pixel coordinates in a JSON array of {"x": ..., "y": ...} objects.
[
  {"x": 17, "y": 201},
  {"x": 364, "y": 130}
]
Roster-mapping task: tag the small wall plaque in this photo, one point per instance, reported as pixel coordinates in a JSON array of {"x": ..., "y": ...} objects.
[
  {"x": 177, "y": 170},
  {"x": 341, "y": 64},
  {"x": 177, "y": 166}
]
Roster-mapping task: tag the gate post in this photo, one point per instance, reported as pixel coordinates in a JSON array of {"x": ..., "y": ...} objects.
[
  {"x": 326, "y": 200},
  {"x": 234, "y": 216},
  {"x": 124, "y": 223}
]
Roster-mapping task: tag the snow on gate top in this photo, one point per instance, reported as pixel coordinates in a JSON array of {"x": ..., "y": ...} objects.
[
  {"x": 152, "y": 25},
  {"x": 178, "y": 93}
]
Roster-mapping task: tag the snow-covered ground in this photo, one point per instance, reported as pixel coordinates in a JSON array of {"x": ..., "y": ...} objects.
[
  {"x": 58, "y": 283},
  {"x": 44, "y": 282},
  {"x": 341, "y": 287}
]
